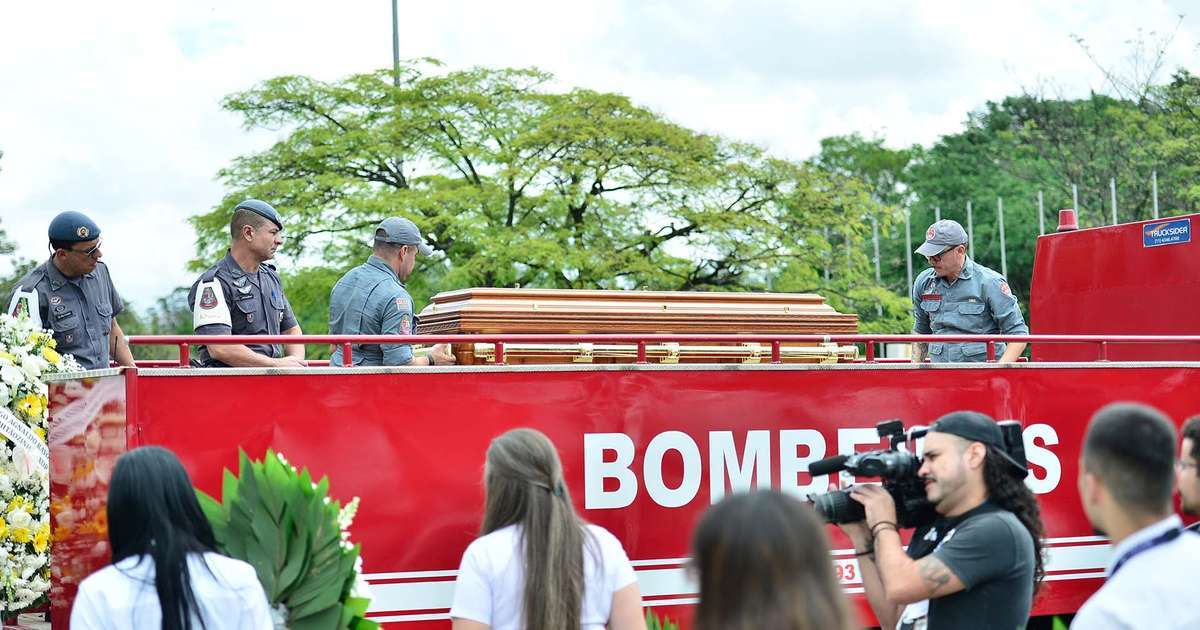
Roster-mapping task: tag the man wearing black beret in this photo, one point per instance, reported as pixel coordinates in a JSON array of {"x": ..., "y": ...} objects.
[
  {"x": 73, "y": 295},
  {"x": 242, "y": 295}
]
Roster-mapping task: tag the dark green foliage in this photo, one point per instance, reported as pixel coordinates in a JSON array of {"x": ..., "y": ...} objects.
[{"x": 285, "y": 526}]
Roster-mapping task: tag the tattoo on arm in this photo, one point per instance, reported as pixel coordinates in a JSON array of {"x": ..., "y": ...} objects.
[{"x": 934, "y": 574}]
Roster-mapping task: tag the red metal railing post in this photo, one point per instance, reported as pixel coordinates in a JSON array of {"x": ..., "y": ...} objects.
[
  {"x": 991, "y": 351},
  {"x": 1103, "y": 351},
  {"x": 184, "y": 352},
  {"x": 641, "y": 352},
  {"x": 870, "y": 351},
  {"x": 499, "y": 353},
  {"x": 348, "y": 354},
  {"x": 776, "y": 352}
]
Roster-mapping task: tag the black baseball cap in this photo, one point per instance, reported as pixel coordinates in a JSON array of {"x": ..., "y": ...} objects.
[{"x": 977, "y": 427}]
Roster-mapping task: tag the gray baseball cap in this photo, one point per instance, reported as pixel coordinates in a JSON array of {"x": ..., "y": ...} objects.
[
  {"x": 401, "y": 231},
  {"x": 941, "y": 236}
]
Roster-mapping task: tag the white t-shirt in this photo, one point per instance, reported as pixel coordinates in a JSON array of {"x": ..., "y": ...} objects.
[
  {"x": 1154, "y": 589},
  {"x": 491, "y": 579},
  {"x": 123, "y": 596}
]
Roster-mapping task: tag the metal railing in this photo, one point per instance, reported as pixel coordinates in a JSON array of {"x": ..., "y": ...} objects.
[{"x": 1101, "y": 342}]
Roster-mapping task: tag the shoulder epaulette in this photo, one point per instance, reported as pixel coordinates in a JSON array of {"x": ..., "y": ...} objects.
[{"x": 35, "y": 275}]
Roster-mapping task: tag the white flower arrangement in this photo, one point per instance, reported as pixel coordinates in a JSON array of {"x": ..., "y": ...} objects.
[{"x": 26, "y": 354}]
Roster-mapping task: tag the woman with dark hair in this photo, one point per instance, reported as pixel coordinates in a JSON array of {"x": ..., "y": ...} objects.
[
  {"x": 166, "y": 571},
  {"x": 536, "y": 565},
  {"x": 763, "y": 561}
]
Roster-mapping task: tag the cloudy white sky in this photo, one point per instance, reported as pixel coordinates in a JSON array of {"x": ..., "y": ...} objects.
[{"x": 113, "y": 108}]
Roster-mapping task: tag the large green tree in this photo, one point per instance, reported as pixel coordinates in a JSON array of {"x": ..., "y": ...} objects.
[
  {"x": 518, "y": 184},
  {"x": 886, "y": 173}
]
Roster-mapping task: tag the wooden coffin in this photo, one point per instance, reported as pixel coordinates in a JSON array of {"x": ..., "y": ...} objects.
[{"x": 567, "y": 311}]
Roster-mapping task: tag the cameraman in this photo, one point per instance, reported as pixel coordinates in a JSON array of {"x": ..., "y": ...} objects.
[{"x": 979, "y": 564}]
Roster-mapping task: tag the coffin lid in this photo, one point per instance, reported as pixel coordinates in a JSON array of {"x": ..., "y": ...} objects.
[{"x": 580, "y": 311}]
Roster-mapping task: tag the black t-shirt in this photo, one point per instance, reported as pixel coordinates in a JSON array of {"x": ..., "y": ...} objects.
[{"x": 992, "y": 554}]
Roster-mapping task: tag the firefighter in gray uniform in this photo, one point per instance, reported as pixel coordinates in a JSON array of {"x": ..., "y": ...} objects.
[
  {"x": 73, "y": 295},
  {"x": 371, "y": 299},
  {"x": 242, "y": 295},
  {"x": 957, "y": 296}
]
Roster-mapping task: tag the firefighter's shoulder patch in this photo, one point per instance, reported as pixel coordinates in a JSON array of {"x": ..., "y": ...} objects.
[{"x": 210, "y": 306}]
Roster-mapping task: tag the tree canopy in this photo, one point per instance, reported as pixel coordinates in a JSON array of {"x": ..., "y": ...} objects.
[{"x": 517, "y": 184}]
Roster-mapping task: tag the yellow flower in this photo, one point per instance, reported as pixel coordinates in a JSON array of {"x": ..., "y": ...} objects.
[
  {"x": 41, "y": 539},
  {"x": 20, "y": 534},
  {"x": 8, "y": 357},
  {"x": 50, "y": 355},
  {"x": 17, "y": 502},
  {"x": 30, "y": 406},
  {"x": 41, "y": 433},
  {"x": 3, "y": 527}
]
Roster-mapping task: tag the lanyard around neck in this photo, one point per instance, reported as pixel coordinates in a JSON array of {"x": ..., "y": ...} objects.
[{"x": 1145, "y": 546}]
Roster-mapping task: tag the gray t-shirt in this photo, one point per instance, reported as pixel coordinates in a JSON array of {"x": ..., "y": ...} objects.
[{"x": 992, "y": 553}]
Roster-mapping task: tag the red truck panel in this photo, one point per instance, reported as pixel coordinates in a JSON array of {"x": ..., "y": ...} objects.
[
  {"x": 411, "y": 444},
  {"x": 1115, "y": 280}
]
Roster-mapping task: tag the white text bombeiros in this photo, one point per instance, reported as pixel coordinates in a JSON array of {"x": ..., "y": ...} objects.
[{"x": 610, "y": 456}]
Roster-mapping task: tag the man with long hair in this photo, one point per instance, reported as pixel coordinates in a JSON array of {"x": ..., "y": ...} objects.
[
  {"x": 1126, "y": 476},
  {"x": 979, "y": 564}
]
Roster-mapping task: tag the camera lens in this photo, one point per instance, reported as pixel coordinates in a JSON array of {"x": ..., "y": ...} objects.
[{"x": 838, "y": 507}]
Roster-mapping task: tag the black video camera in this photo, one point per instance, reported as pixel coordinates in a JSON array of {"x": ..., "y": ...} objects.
[{"x": 898, "y": 470}]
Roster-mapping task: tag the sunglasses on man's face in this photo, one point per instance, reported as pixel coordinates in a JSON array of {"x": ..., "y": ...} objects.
[
  {"x": 938, "y": 256},
  {"x": 91, "y": 251}
]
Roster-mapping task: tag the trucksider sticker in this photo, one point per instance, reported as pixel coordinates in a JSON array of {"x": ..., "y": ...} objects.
[{"x": 1172, "y": 232}]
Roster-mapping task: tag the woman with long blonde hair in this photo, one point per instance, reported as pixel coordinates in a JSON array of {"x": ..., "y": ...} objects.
[{"x": 536, "y": 565}]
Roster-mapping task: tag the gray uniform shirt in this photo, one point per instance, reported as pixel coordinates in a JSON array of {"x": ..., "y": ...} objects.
[
  {"x": 992, "y": 554},
  {"x": 371, "y": 300},
  {"x": 979, "y": 302},
  {"x": 79, "y": 310},
  {"x": 254, "y": 301}
]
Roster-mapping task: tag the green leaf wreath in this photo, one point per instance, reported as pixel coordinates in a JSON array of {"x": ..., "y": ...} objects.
[{"x": 275, "y": 518}]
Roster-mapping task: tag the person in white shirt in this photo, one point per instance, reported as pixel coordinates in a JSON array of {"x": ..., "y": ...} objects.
[
  {"x": 166, "y": 571},
  {"x": 1126, "y": 482},
  {"x": 536, "y": 565},
  {"x": 762, "y": 559}
]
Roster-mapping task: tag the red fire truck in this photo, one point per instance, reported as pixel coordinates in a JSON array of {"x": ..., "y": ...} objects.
[{"x": 648, "y": 445}]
